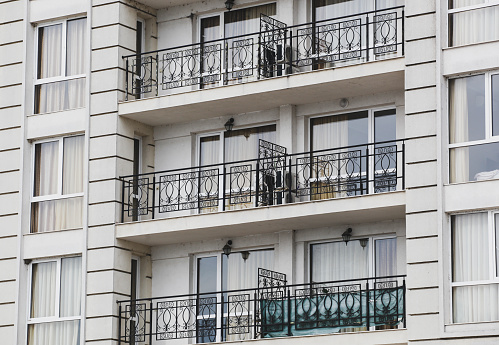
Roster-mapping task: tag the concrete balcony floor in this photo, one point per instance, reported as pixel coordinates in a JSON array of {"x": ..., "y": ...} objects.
[
  {"x": 300, "y": 88},
  {"x": 296, "y": 216}
]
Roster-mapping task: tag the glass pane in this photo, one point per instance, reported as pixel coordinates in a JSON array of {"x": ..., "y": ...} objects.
[
  {"x": 72, "y": 170},
  {"x": 70, "y": 287},
  {"x": 46, "y": 168},
  {"x": 75, "y": 46},
  {"x": 49, "y": 51},
  {"x": 62, "y": 95},
  {"x": 43, "y": 289},
  {"x": 474, "y": 26},
  {"x": 55, "y": 333},
  {"x": 470, "y": 262},
  {"x": 59, "y": 214},
  {"x": 381, "y": 4},
  {"x": 475, "y": 303},
  {"x": 467, "y": 109},
  {"x": 209, "y": 150},
  {"x": 474, "y": 163},
  {"x": 495, "y": 104},
  {"x": 339, "y": 131},
  {"x": 246, "y": 20},
  {"x": 243, "y": 274},
  {"x": 243, "y": 144},
  {"x": 464, "y": 3},
  {"x": 338, "y": 261},
  {"x": 207, "y": 274},
  {"x": 385, "y": 126},
  {"x": 210, "y": 28},
  {"x": 385, "y": 252},
  {"x": 325, "y": 9}
]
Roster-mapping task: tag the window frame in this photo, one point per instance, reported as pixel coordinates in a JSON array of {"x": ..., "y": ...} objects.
[
  {"x": 56, "y": 318},
  {"x": 489, "y": 137},
  {"x": 456, "y": 10},
  {"x": 62, "y": 76},
  {"x": 492, "y": 258},
  {"x": 60, "y": 172}
]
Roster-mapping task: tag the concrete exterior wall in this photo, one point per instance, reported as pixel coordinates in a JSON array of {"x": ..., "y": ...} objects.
[{"x": 422, "y": 229}]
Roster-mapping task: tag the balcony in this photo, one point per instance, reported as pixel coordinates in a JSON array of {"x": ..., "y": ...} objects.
[
  {"x": 287, "y": 55},
  {"x": 274, "y": 309},
  {"x": 301, "y": 184}
]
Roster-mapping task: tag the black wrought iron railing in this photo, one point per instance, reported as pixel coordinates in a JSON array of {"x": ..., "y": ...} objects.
[
  {"x": 276, "y": 50},
  {"x": 274, "y": 178},
  {"x": 265, "y": 312}
]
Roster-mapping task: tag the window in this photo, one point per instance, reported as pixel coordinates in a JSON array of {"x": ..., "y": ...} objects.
[
  {"x": 475, "y": 252},
  {"x": 325, "y": 9},
  {"x": 55, "y": 302},
  {"x": 474, "y": 128},
  {"x": 60, "y": 72},
  {"x": 226, "y": 273},
  {"x": 57, "y": 200},
  {"x": 473, "y": 21},
  {"x": 343, "y": 142}
]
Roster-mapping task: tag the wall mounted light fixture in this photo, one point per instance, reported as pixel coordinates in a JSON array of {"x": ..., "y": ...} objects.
[
  {"x": 227, "y": 249},
  {"x": 347, "y": 235},
  {"x": 229, "y": 124},
  {"x": 229, "y": 4}
]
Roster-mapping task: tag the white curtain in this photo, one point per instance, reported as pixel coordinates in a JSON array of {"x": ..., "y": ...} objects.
[
  {"x": 66, "y": 94},
  {"x": 209, "y": 150},
  {"x": 381, "y": 4},
  {"x": 338, "y": 261},
  {"x": 470, "y": 262},
  {"x": 75, "y": 46},
  {"x": 43, "y": 303},
  {"x": 243, "y": 144},
  {"x": 244, "y": 274},
  {"x": 46, "y": 164},
  {"x": 49, "y": 51},
  {"x": 474, "y": 26},
  {"x": 43, "y": 288},
  {"x": 385, "y": 252},
  {"x": 246, "y": 20},
  {"x": 458, "y": 129},
  {"x": 64, "y": 213},
  {"x": 72, "y": 179},
  {"x": 70, "y": 287},
  {"x": 325, "y": 9}
]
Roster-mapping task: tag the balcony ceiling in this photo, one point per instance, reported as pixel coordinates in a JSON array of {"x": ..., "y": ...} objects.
[
  {"x": 297, "y": 216},
  {"x": 300, "y": 88},
  {"x": 158, "y": 4}
]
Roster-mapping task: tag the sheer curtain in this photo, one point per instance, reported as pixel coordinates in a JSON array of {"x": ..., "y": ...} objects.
[
  {"x": 473, "y": 26},
  {"x": 243, "y": 144},
  {"x": 43, "y": 303},
  {"x": 246, "y": 20},
  {"x": 385, "y": 252},
  {"x": 325, "y": 9},
  {"x": 337, "y": 261},
  {"x": 63, "y": 213},
  {"x": 244, "y": 274},
  {"x": 470, "y": 263},
  {"x": 65, "y": 94}
]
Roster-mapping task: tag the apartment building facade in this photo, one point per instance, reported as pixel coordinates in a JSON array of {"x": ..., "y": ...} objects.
[{"x": 283, "y": 171}]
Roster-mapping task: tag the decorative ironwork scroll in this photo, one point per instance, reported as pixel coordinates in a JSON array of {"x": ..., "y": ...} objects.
[
  {"x": 385, "y": 33},
  {"x": 385, "y": 168},
  {"x": 137, "y": 191},
  {"x": 272, "y": 46},
  {"x": 135, "y": 322},
  {"x": 272, "y": 167}
]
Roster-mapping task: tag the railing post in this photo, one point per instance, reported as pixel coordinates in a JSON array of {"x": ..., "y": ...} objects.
[
  {"x": 259, "y": 55},
  {"x": 223, "y": 187},
  {"x": 126, "y": 81},
  {"x": 367, "y": 170},
  {"x": 289, "y": 313},
  {"x": 153, "y": 194},
  {"x": 403, "y": 32},
  {"x": 367, "y": 37},
  {"x": 255, "y": 306},
  {"x": 119, "y": 324},
  {"x": 150, "y": 321},
  {"x": 226, "y": 72},
  {"x": 257, "y": 193},
  {"x": 404, "y": 304},
  {"x": 368, "y": 317},
  {"x": 403, "y": 165},
  {"x": 290, "y": 67},
  {"x": 157, "y": 75},
  {"x": 289, "y": 182},
  {"x": 122, "y": 200}
]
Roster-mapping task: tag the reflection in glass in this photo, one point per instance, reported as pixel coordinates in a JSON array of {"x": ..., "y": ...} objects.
[{"x": 474, "y": 163}]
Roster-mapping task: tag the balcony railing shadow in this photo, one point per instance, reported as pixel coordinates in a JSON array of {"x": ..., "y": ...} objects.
[
  {"x": 276, "y": 50},
  {"x": 274, "y": 178},
  {"x": 273, "y": 309}
]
